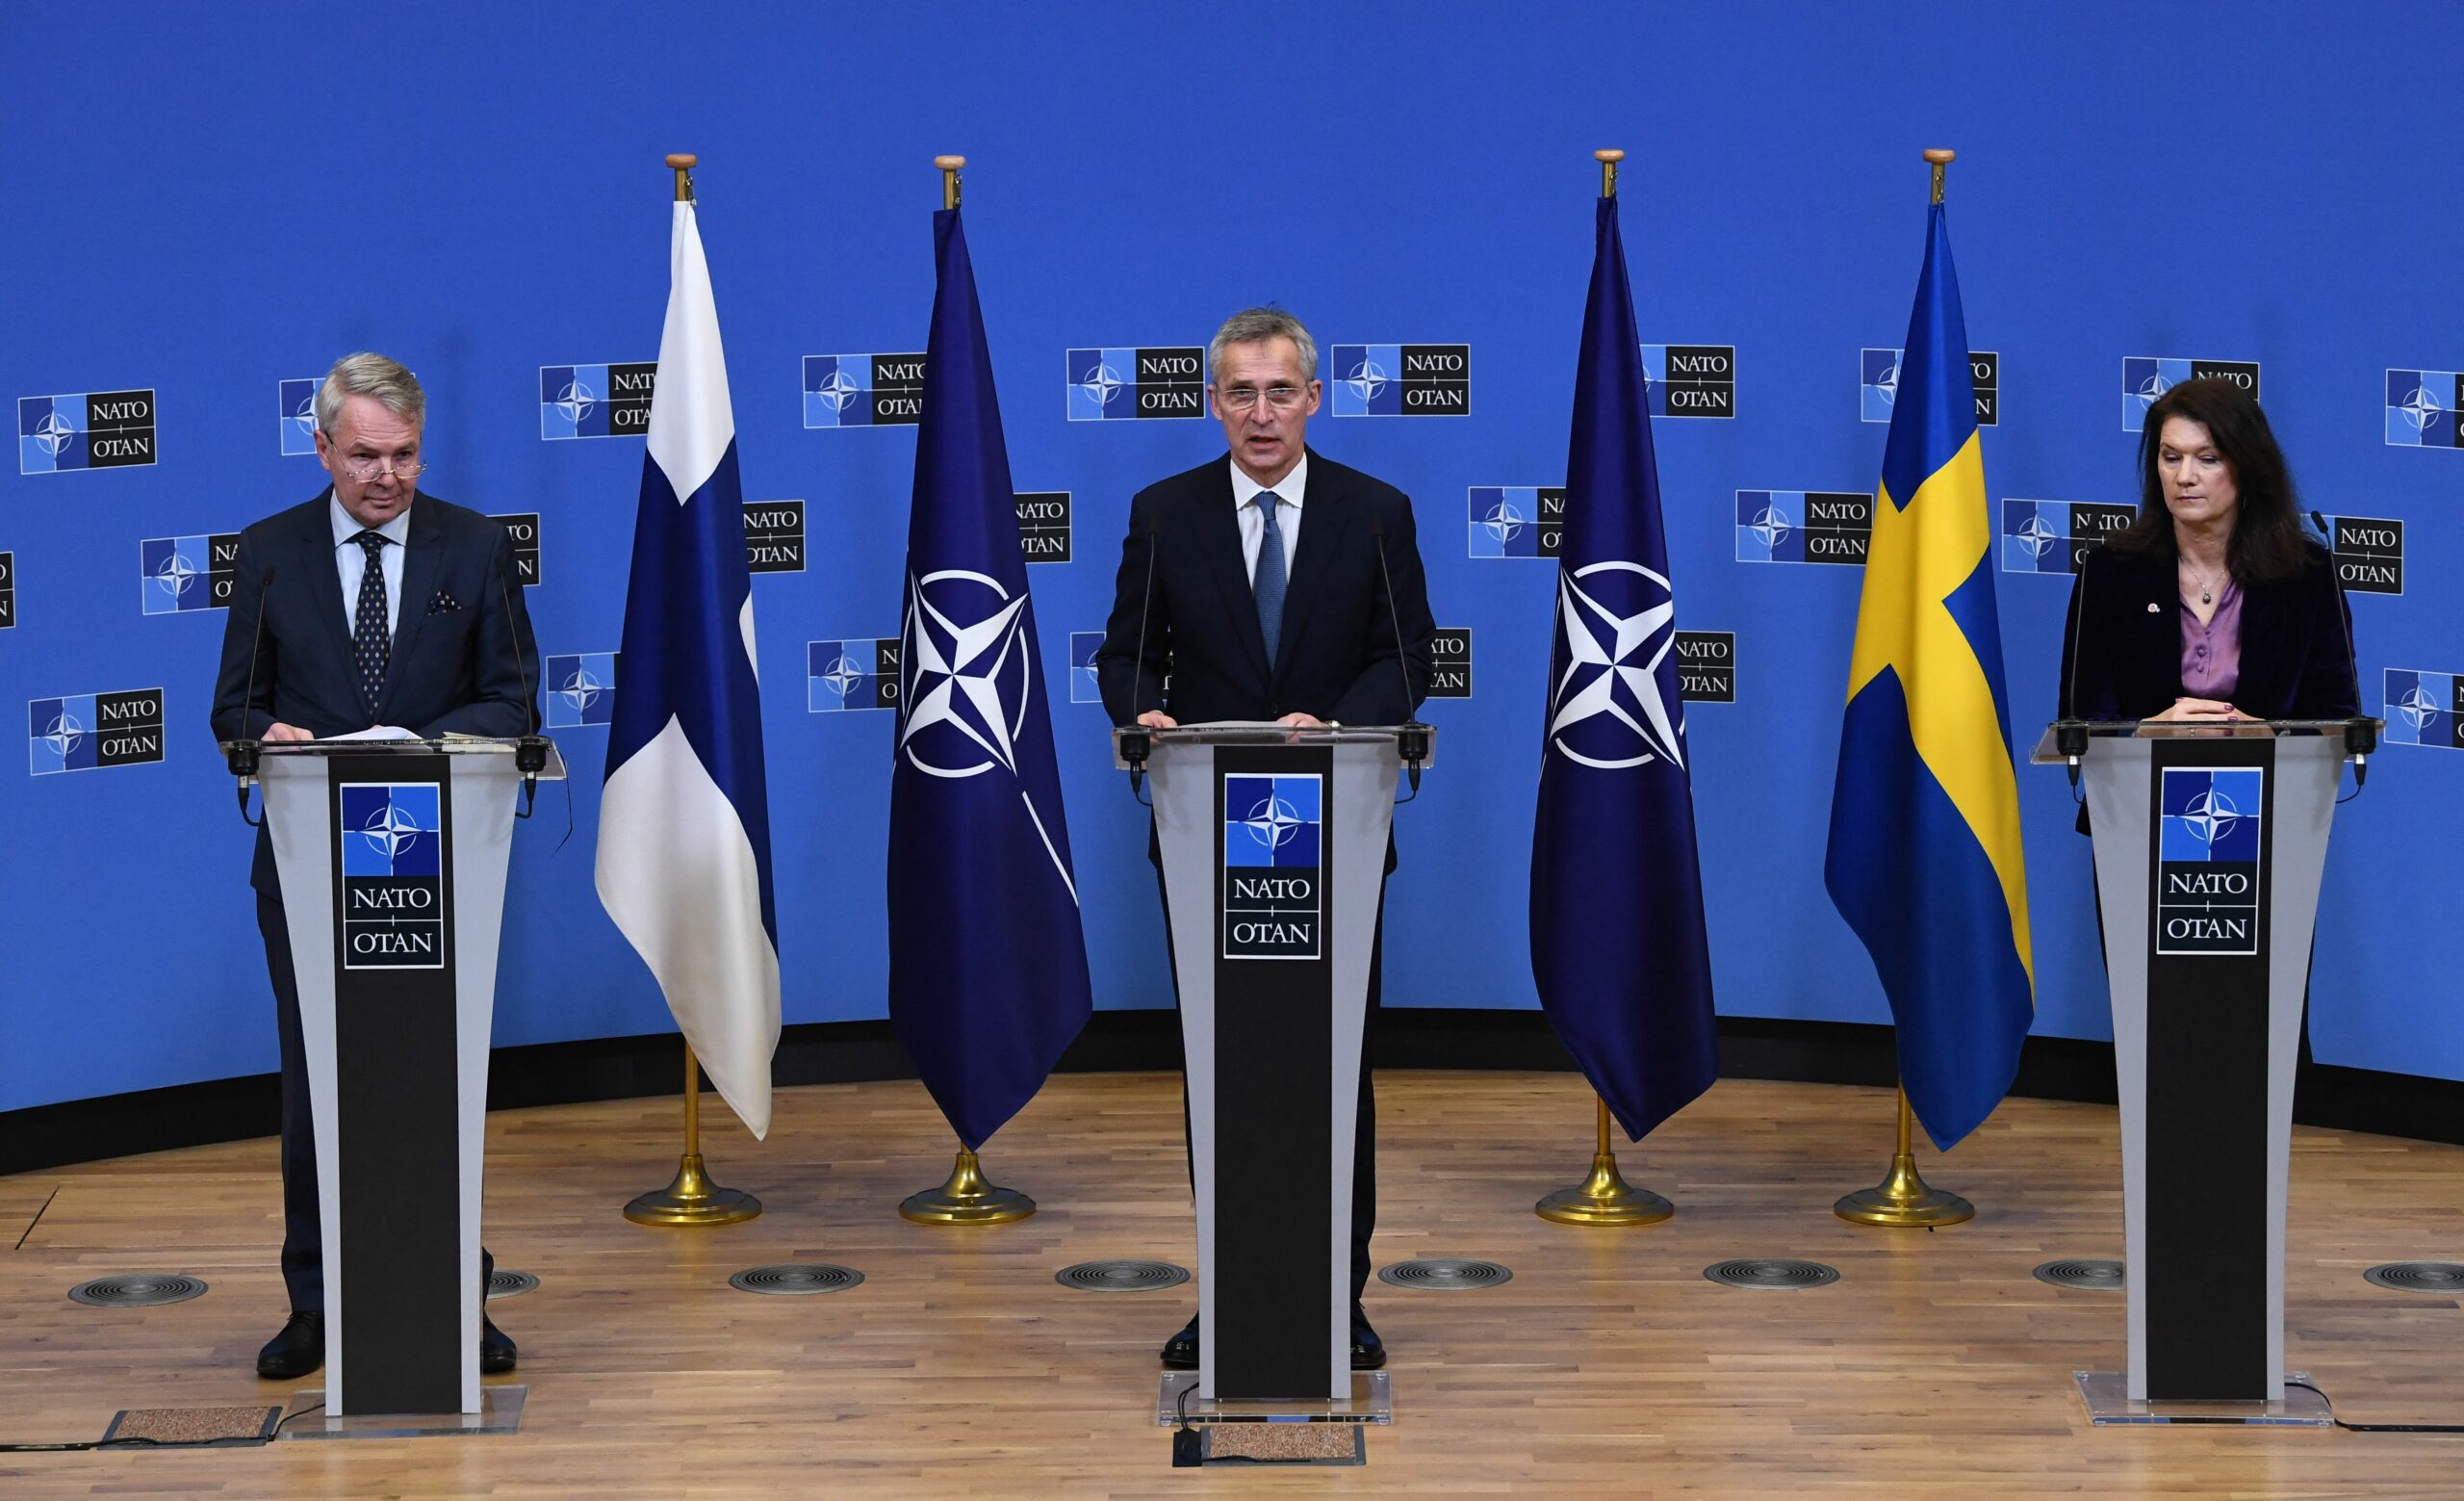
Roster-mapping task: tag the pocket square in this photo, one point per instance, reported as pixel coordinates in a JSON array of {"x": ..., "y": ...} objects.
[{"x": 443, "y": 603}]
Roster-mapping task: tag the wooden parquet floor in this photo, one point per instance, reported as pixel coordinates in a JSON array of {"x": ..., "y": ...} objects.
[{"x": 1935, "y": 1367}]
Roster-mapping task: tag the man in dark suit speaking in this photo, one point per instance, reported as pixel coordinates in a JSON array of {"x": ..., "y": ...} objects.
[
  {"x": 1268, "y": 601},
  {"x": 370, "y": 605}
]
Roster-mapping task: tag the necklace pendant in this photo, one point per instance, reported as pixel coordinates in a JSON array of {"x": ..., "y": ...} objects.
[{"x": 2203, "y": 597}]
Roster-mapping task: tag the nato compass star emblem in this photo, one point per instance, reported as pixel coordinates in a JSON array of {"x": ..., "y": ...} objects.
[
  {"x": 1366, "y": 379},
  {"x": 1618, "y": 623},
  {"x": 2419, "y": 407},
  {"x": 837, "y": 390},
  {"x": 53, "y": 434},
  {"x": 174, "y": 575},
  {"x": 2211, "y": 816},
  {"x": 843, "y": 675},
  {"x": 63, "y": 734},
  {"x": 2150, "y": 389},
  {"x": 1503, "y": 522},
  {"x": 581, "y": 689},
  {"x": 305, "y": 418},
  {"x": 1273, "y": 822},
  {"x": 2416, "y": 707},
  {"x": 1887, "y": 383},
  {"x": 390, "y": 831},
  {"x": 964, "y": 658},
  {"x": 575, "y": 401},
  {"x": 1771, "y": 527},
  {"x": 2038, "y": 537},
  {"x": 1100, "y": 384}
]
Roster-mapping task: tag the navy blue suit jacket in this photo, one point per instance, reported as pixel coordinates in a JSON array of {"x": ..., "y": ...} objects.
[
  {"x": 1338, "y": 657},
  {"x": 462, "y": 655}
]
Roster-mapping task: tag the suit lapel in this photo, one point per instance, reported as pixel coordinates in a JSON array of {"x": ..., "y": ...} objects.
[
  {"x": 420, "y": 562},
  {"x": 2265, "y": 625},
  {"x": 1218, "y": 539},
  {"x": 324, "y": 578},
  {"x": 1324, "y": 518}
]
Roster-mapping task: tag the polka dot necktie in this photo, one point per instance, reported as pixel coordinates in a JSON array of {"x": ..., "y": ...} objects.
[
  {"x": 371, "y": 642},
  {"x": 1268, "y": 584}
]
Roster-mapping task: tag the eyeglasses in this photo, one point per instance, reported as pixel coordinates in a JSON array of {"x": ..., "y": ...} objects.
[
  {"x": 365, "y": 468},
  {"x": 1241, "y": 399}
]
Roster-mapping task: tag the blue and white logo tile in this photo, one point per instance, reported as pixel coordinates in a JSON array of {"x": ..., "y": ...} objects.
[
  {"x": 2424, "y": 707},
  {"x": 1272, "y": 821},
  {"x": 596, "y": 400},
  {"x": 86, "y": 732},
  {"x": 2146, "y": 378},
  {"x": 298, "y": 401},
  {"x": 1084, "y": 688},
  {"x": 178, "y": 575},
  {"x": 852, "y": 674},
  {"x": 91, "y": 430},
  {"x": 1516, "y": 521},
  {"x": 2422, "y": 406},
  {"x": 581, "y": 689}
]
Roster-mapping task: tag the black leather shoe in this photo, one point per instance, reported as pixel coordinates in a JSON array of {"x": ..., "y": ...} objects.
[
  {"x": 1180, "y": 1351},
  {"x": 495, "y": 1351},
  {"x": 1367, "y": 1351},
  {"x": 299, "y": 1350}
]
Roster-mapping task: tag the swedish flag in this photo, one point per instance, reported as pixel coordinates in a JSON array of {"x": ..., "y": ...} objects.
[{"x": 1925, "y": 860}]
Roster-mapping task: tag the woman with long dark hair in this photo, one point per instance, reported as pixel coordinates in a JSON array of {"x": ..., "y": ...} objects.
[{"x": 2214, "y": 604}]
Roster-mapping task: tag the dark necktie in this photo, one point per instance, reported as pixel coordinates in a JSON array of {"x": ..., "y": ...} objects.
[
  {"x": 371, "y": 642},
  {"x": 1267, "y": 583}
]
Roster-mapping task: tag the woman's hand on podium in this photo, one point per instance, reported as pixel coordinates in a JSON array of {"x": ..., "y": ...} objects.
[{"x": 2187, "y": 708}]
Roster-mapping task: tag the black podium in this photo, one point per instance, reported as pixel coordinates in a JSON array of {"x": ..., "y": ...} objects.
[
  {"x": 2210, "y": 843},
  {"x": 392, "y": 856}
]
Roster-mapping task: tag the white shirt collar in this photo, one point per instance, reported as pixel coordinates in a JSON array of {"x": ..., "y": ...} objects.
[
  {"x": 1246, "y": 489},
  {"x": 397, "y": 531}
]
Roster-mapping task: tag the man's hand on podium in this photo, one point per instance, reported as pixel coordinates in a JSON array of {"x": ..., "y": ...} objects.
[
  {"x": 1301, "y": 722},
  {"x": 1157, "y": 720},
  {"x": 278, "y": 732}
]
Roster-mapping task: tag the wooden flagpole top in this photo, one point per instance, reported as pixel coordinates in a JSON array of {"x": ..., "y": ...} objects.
[
  {"x": 1608, "y": 157},
  {"x": 684, "y": 163},
  {"x": 1939, "y": 157},
  {"x": 949, "y": 166}
]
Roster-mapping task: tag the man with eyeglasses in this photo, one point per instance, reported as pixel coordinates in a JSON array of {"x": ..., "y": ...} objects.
[
  {"x": 370, "y": 605},
  {"x": 1268, "y": 601}
]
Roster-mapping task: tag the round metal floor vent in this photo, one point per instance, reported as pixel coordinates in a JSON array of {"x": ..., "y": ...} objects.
[
  {"x": 1122, "y": 1276},
  {"x": 138, "y": 1290},
  {"x": 2082, "y": 1272},
  {"x": 1770, "y": 1272},
  {"x": 2444, "y": 1277},
  {"x": 795, "y": 1278},
  {"x": 1448, "y": 1273},
  {"x": 502, "y": 1283}
]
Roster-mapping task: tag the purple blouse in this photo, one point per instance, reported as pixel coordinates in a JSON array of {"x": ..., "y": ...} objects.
[{"x": 2212, "y": 653}]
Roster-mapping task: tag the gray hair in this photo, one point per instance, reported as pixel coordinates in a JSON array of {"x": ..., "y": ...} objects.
[
  {"x": 1256, "y": 326},
  {"x": 369, "y": 374}
]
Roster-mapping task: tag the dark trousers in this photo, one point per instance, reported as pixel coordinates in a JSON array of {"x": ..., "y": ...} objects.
[
  {"x": 303, "y": 1239},
  {"x": 1364, "y": 1150}
]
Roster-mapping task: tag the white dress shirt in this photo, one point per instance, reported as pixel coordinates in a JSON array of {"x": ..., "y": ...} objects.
[
  {"x": 352, "y": 563},
  {"x": 1253, "y": 529}
]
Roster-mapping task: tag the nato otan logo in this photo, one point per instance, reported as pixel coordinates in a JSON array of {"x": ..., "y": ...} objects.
[
  {"x": 7, "y": 590},
  {"x": 1803, "y": 526},
  {"x": 393, "y": 857},
  {"x": 1517, "y": 521},
  {"x": 93, "y": 430},
  {"x": 177, "y": 575},
  {"x": 2425, "y": 709},
  {"x": 1690, "y": 379},
  {"x": 2207, "y": 860},
  {"x": 855, "y": 673},
  {"x": 298, "y": 401},
  {"x": 523, "y": 527},
  {"x": 774, "y": 537},
  {"x": 1043, "y": 526},
  {"x": 864, "y": 390},
  {"x": 2422, "y": 406},
  {"x": 596, "y": 400},
  {"x": 1273, "y": 898},
  {"x": 1707, "y": 666},
  {"x": 581, "y": 689},
  {"x": 86, "y": 732},
  {"x": 1449, "y": 663},
  {"x": 2053, "y": 536},
  {"x": 1122, "y": 385},
  {"x": 1878, "y": 384},
  {"x": 2368, "y": 551},
  {"x": 1084, "y": 686},
  {"x": 2146, "y": 378},
  {"x": 1400, "y": 379}
]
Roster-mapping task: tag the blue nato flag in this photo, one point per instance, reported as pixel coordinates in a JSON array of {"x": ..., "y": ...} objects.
[
  {"x": 988, "y": 962},
  {"x": 1925, "y": 860},
  {"x": 1617, "y": 945}
]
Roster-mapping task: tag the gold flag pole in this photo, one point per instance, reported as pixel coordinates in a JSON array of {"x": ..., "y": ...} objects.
[
  {"x": 966, "y": 1198},
  {"x": 1604, "y": 1198},
  {"x": 1903, "y": 1197},
  {"x": 691, "y": 1197}
]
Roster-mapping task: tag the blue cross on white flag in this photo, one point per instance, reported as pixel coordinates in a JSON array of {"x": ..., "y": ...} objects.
[{"x": 685, "y": 824}]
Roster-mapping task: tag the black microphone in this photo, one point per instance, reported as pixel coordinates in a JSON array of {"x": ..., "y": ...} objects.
[
  {"x": 2361, "y": 734},
  {"x": 241, "y": 755},
  {"x": 1411, "y": 741},
  {"x": 1133, "y": 740},
  {"x": 2070, "y": 732},
  {"x": 531, "y": 755}
]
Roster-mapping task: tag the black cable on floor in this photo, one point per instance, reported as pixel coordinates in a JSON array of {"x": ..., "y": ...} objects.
[{"x": 2379, "y": 1428}]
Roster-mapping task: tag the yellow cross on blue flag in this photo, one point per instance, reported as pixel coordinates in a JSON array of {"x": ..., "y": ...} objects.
[{"x": 1924, "y": 860}]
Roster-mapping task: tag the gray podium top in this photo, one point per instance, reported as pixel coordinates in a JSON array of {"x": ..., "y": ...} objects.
[
  {"x": 448, "y": 745},
  {"x": 1267, "y": 732},
  {"x": 2048, "y": 753}
]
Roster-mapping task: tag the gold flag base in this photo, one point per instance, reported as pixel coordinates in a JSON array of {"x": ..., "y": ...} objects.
[
  {"x": 1604, "y": 1198},
  {"x": 692, "y": 1199},
  {"x": 1903, "y": 1197},
  {"x": 966, "y": 1198}
]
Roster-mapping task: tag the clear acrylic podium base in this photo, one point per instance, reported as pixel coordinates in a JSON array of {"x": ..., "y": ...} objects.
[
  {"x": 1372, "y": 1401},
  {"x": 2106, "y": 1394},
  {"x": 500, "y": 1412}
]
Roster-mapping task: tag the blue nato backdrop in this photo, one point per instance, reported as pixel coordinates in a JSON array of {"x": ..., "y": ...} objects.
[{"x": 214, "y": 213}]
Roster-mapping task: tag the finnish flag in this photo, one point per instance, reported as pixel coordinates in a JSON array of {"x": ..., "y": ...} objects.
[{"x": 685, "y": 824}]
